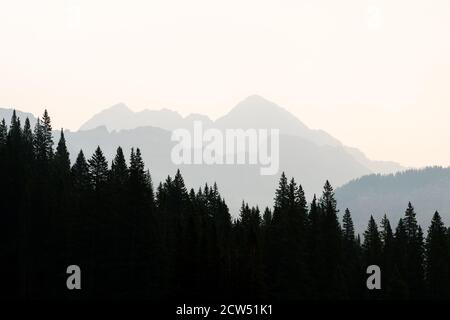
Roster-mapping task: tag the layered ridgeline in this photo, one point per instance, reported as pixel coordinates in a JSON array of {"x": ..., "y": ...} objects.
[
  {"x": 377, "y": 195},
  {"x": 132, "y": 239},
  {"x": 312, "y": 156}
]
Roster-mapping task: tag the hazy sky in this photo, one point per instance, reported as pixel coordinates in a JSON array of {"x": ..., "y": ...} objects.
[{"x": 375, "y": 74}]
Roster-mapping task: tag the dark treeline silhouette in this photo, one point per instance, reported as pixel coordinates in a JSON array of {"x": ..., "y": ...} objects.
[{"x": 132, "y": 241}]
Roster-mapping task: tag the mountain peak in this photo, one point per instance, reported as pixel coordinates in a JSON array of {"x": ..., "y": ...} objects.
[
  {"x": 119, "y": 107},
  {"x": 256, "y": 102},
  {"x": 256, "y": 98}
]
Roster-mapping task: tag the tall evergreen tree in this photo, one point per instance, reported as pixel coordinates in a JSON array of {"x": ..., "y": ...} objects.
[
  {"x": 388, "y": 257},
  {"x": 415, "y": 254},
  {"x": 314, "y": 247},
  {"x": 372, "y": 244},
  {"x": 437, "y": 259},
  {"x": 98, "y": 169},
  {"x": 348, "y": 228},
  {"x": 3, "y": 133},
  {"x": 332, "y": 248},
  {"x": 80, "y": 174},
  {"x": 119, "y": 169},
  {"x": 351, "y": 257},
  {"x": 47, "y": 133},
  {"x": 62, "y": 160}
]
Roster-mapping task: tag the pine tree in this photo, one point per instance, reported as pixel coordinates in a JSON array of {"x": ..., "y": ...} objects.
[
  {"x": 388, "y": 255},
  {"x": 27, "y": 140},
  {"x": 60, "y": 192},
  {"x": 47, "y": 133},
  {"x": 61, "y": 160},
  {"x": 15, "y": 132},
  {"x": 80, "y": 174},
  {"x": 3, "y": 133},
  {"x": 437, "y": 259},
  {"x": 39, "y": 144},
  {"x": 348, "y": 228},
  {"x": 400, "y": 289},
  {"x": 119, "y": 169},
  {"x": 415, "y": 254},
  {"x": 372, "y": 251},
  {"x": 98, "y": 169},
  {"x": 331, "y": 244},
  {"x": 267, "y": 217},
  {"x": 351, "y": 257},
  {"x": 13, "y": 180},
  {"x": 43, "y": 142},
  {"x": 372, "y": 244},
  {"x": 250, "y": 259},
  {"x": 314, "y": 247},
  {"x": 184, "y": 244},
  {"x": 281, "y": 196}
]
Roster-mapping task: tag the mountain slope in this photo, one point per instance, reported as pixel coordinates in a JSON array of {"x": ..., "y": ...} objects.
[
  {"x": 119, "y": 117},
  {"x": 428, "y": 190},
  {"x": 257, "y": 112},
  {"x": 310, "y": 164},
  {"x": 254, "y": 112},
  {"x": 381, "y": 167},
  {"x": 7, "y": 114}
]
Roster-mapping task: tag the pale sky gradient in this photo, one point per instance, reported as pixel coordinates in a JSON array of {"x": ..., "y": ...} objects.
[{"x": 375, "y": 74}]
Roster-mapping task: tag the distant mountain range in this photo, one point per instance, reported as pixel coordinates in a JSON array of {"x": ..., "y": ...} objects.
[
  {"x": 7, "y": 114},
  {"x": 253, "y": 112},
  {"x": 311, "y": 156},
  {"x": 427, "y": 189}
]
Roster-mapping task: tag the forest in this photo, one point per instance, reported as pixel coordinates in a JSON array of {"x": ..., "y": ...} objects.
[{"x": 133, "y": 240}]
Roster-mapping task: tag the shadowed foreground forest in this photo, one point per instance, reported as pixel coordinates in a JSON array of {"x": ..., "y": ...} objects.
[{"x": 132, "y": 240}]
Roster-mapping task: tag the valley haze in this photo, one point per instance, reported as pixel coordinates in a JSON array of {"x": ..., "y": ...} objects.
[{"x": 311, "y": 156}]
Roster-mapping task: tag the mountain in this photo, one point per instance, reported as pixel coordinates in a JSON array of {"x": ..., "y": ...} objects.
[
  {"x": 381, "y": 167},
  {"x": 119, "y": 117},
  {"x": 311, "y": 156},
  {"x": 257, "y": 112},
  {"x": 253, "y": 112},
  {"x": 427, "y": 189},
  {"x": 309, "y": 163},
  {"x": 7, "y": 114}
]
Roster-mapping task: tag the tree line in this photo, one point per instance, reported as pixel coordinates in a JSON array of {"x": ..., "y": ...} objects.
[{"x": 132, "y": 240}]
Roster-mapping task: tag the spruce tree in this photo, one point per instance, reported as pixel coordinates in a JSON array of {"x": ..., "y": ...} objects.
[
  {"x": 372, "y": 244},
  {"x": 388, "y": 257},
  {"x": 3, "y": 133},
  {"x": 415, "y": 254},
  {"x": 351, "y": 257},
  {"x": 267, "y": 217},
  {"x": 28, "y": 141},
  {"x": 119, "y": 169},
  {"x": 314, "y": 247},
  {"x": 281, "y": 196},
  {"x": 400, "y": 288},
  {"x": 47, "y": 133},
  {"x": 80, "y": 174},
  {"x": 348, "y": 228},
  {"x": 98, "y": 169},
  {"x": 437, "y": 259},
  {"x": 331, "y": 245},
  {"x": 61, "y": 160}
]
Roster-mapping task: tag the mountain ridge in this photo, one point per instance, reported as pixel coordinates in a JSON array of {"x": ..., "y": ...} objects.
[
  {"x": 378, "y": 194},
  {"x": 242, "y": 116}
]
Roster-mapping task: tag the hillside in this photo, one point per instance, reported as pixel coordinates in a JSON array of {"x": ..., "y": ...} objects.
[{"x": 427, "y": 189}]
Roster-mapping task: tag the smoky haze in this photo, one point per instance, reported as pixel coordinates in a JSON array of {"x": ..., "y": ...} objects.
[{"x": 368, "y": 72}]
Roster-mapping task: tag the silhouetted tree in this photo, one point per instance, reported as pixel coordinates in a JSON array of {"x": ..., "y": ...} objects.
[
  {"x": 132, "y": 242},
  {"x": 437, "y": 259}
]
